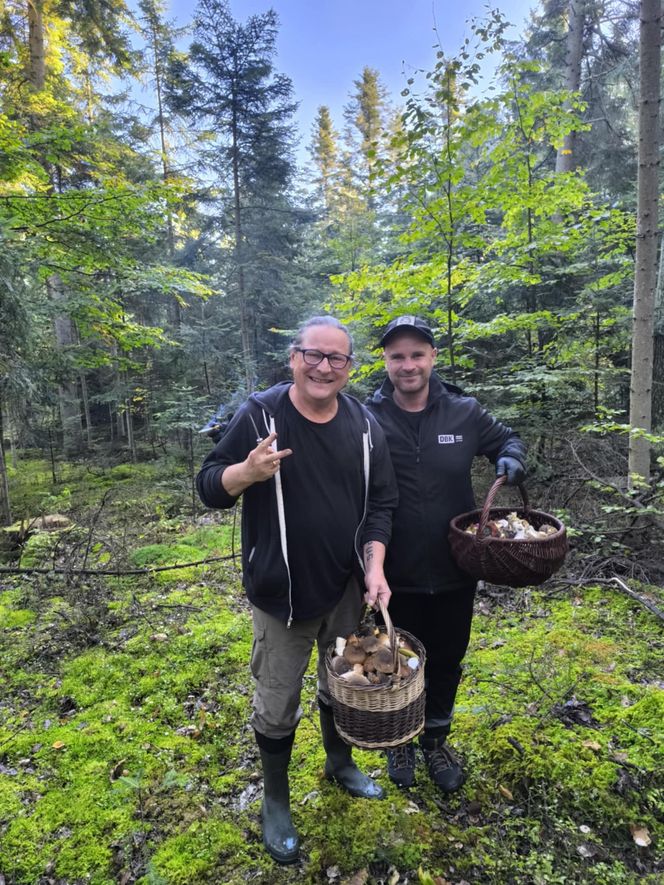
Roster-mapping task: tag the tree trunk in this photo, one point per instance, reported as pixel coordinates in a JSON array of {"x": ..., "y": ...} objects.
[
  {"x": 5, "y": 507},
  {"x": 645, "y": 272},
  {"x": 573, "y": 55},
  {"x": 246, "y": 315},
  {"x": 86, "y": 408},
  {"x": 68, "y": 399},
  {"x": 174, "y": 308},
  {"x": 37, "y": 59}
]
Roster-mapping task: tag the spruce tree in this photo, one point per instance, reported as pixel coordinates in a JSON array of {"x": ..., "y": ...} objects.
[{"x": 231, "y": 88}]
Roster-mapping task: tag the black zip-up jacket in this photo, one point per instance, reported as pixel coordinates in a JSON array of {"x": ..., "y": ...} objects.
[
  {"x": 266, "y": 577},
  {"x": 434, "y": 479}
]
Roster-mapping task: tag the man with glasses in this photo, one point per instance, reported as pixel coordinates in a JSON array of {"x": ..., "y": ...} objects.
[
  {"x": 318, "y": 493},
  {"x": 433, "y": 432}
]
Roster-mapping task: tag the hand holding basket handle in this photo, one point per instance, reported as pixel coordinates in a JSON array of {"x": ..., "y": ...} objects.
[{"x": 512, "y": 469}]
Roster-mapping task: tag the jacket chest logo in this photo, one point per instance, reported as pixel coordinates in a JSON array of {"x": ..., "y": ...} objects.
[{"x": 445, "y": 439}]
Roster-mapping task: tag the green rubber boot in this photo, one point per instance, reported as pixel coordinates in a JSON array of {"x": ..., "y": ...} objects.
[
  {"x": 339, "y": 765},
  {"x": 280, "y": 838}
]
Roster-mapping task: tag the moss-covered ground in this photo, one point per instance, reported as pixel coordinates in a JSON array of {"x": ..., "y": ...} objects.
[{"x": 125, "y": 753}]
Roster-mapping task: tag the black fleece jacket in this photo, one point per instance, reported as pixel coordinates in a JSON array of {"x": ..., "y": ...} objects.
[
  {"x": 434, "y": 478},
  {"x": 266, "y": 578}
]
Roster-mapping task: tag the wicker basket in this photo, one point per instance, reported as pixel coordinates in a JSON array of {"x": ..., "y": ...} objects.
[
  {"x": 516, "y": 563},
  {"x": 378, "y": 717}
]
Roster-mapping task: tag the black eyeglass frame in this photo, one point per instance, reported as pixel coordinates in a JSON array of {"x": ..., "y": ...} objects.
[{"x": 329, "y": 356}]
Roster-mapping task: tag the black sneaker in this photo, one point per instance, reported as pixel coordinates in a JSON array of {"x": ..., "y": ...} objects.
[
  {"x": 401, "y": 765},
  {"x": 444, "y": 768}
]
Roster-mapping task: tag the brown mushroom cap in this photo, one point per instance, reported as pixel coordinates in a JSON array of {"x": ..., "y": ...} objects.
[
  {"x": 354, "y": 653},
  {"x": 340, "y": 665},
  {"x": 369, "y": 664},
  {"x": 384, "y": 660},
  {"x": 370, "y": 643}
]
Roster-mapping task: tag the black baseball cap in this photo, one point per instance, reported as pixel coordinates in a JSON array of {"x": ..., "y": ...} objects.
[{"x": 407, "y": 324}]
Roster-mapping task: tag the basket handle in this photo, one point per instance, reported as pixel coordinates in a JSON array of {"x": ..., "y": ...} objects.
[
  {"x": 391, "y": 632},
  {"x": 488, "y": 504}
]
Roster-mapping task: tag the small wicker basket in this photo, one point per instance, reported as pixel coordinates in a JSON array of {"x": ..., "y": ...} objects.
[
  {"x": 515, "y": 563},
  {"x": 378, "y": 717}
]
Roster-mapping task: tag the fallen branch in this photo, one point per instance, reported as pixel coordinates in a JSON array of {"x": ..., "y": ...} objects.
[
  {"x": 645, "y": 602},
  {"x": 16, "y": 570},
  {"x": 623, "y": 586}
]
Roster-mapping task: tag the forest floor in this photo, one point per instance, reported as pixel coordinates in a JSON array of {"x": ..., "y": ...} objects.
[{"x": 126, "y": 755}]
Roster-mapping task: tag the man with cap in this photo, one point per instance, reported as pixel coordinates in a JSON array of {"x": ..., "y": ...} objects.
[{"x": 433, "y": 432}]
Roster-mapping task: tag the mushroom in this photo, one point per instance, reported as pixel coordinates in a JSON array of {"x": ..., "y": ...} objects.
[
  {"x": 405, "y": 648},
  {"x": 356, "y": 676},
  {"x": 340, "y": 665},
  {"x": 370, "y": 664},
  {"x": 404, "y": 671},
  {"x": 384, "y": 660},
  {"x": 339, "y": 645},
  {"x": 354, "y": 653},
  {"x": 370, "y": 643},
  {"x": 547, "y": 529}
]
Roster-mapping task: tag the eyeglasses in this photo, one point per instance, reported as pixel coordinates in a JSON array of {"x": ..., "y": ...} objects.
[{"x": 316, "y": 357}]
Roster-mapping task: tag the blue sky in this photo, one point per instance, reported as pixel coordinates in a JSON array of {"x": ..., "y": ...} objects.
[{"x": 323, "y": 45}]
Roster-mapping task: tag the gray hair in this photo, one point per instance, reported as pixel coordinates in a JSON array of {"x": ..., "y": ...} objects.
[{"x": 320, "y": 321}]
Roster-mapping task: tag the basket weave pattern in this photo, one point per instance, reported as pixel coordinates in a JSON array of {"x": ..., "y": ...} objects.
[
  {"x": 515, "y": 563},
  {"x": 378, "y": 717}
]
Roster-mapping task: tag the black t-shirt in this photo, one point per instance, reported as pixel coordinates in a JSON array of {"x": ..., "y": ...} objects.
[
  {"x": 323, "y": 484},
  {"x": 414, "y": 420}
]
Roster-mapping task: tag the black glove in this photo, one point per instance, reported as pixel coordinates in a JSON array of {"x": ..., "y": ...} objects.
[{"x": 512, "y": 469}]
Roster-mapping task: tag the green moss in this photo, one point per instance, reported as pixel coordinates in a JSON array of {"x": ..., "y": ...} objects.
[
  {"x": 10, "y": 802},
  {"x": 195, "y": 855},
  {"x": 15, "y": 618},
  {"x": 150, "y": 764}
]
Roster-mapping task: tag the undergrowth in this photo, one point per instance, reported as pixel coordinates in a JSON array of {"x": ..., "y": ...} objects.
[{"x": 126, "y": 754}]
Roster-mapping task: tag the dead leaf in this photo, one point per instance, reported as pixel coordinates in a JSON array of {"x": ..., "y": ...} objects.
[
  {"x": 361, "y": 877},
  {"x": 159, "y": 637},
  {"x": 592, "y": 745},
  {"x": 586, "y": 850},
  {"x": 58, "y": 745},
  {"x": 505, "y": 792},
  {"x": 411, "y": 808},
  {"x": 640, "y": 835},
  {"x": 117, "y": 770}
]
